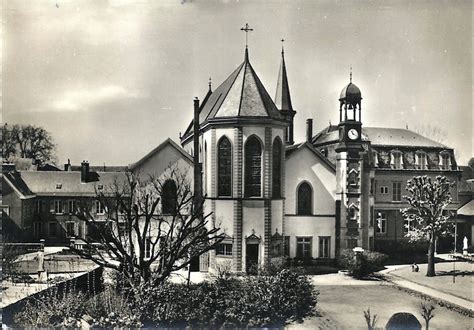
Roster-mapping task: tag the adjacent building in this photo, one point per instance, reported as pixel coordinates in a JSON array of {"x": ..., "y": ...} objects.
[{"x": 271, "y": 197}]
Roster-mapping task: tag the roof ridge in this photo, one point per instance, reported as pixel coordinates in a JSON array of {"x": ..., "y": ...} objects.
[{"x": 246, "y": 61}]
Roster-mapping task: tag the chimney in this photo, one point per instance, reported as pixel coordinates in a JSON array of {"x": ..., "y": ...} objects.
[
  {"x": 197, "y": 165},
  {"x": 84, "y": 171},
  {"x": 309, "y": 129},
  {"x": 67, "y": 166}
]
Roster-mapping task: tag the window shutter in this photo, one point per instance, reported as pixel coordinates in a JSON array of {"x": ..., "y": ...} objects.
[{"x": 51, "y": 207}]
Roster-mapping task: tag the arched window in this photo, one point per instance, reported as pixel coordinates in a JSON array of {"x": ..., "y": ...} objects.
[
  {"x": 168, "y": 197},
  {"x": 224, "y": 167},
  {"x": 276, "y": 168},
  {"x": 253, "y": 167},
  {"x": 305, "y": 199}
]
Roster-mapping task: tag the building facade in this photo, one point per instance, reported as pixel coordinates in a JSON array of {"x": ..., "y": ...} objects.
[{"x": 272, "y": 198}]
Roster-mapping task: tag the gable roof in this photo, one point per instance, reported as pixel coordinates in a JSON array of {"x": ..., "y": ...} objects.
[
  {"x": 167, "y": 142},
  {"x": 295, "y": 148},
  {"x": 467, "y": 209},
  {"x": 14, "y": 179},
  {"x": 381, "y": 136},
  {"x": 242, "y": 94},
  {"x": 45, "y": 183}
]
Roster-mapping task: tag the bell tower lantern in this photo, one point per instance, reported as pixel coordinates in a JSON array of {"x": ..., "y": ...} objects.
[{"x": 349, "y": 168}]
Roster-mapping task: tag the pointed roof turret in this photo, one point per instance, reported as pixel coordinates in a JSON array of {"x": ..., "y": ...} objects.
[
  {"x": 282, "y": 96},
  {"x": 241, "y": 95}
]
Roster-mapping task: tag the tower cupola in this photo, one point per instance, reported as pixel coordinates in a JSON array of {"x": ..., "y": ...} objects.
[{"x": 350, "y": 102}]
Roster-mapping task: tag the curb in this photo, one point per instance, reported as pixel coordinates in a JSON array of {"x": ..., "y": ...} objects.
[{"x": 441, "y": 302}]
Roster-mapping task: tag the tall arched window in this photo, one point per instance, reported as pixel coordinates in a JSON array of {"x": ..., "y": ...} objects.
[
  {"x": 224, "y": 167},
  {"x": 305, "y": 199},
  {"x": 168, "y": 197},
  {"x": 276, "y": 168},
  {"x": 253, "y": 167}
]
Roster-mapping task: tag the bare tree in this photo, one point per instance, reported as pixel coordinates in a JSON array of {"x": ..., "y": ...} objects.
[
  {"x": 427, "y": 313},
  {"x": 27, "y": 141},
  {"x": 371, "y": 320},
  {"x": 434, "y": 133},
  {"x": 141, "y": 237},
  {"x": 427, "y": 213}
]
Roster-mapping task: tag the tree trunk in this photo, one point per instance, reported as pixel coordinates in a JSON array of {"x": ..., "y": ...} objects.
[{"x": 430, "y": 272}]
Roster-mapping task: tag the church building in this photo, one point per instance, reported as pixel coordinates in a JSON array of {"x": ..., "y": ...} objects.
[{"x": 271, "y": 197}]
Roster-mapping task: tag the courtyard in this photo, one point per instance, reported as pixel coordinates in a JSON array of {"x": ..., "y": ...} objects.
[{"x": 342, "y": 301}]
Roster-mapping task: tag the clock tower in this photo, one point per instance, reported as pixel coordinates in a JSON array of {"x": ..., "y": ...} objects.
[{"x": 348, "y": 169}]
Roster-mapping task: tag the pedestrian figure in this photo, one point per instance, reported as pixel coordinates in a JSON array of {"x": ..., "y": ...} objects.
[{"x": 417, "y": 269}]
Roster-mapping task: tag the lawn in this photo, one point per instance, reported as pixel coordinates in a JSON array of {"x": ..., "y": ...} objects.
[
  {"x": 443, "y": 281},
  {"x": 342, "y": 306}
]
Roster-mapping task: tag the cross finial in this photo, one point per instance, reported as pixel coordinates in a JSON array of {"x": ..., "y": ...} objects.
[
  {"x": 350, "y": 75},
  {"x": 247, "y": 29},
  {"x": 282, "y": 48}
]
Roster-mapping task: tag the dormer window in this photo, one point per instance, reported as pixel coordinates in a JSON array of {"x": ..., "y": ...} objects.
[
  {"x": 421, "y": 160},
  {"x": 396, "y": 160},
  {"x": 444, "y": 160},
  {"x": 59, "y": 185}
]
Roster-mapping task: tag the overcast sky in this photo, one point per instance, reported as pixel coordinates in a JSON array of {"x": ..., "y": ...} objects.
[{"x": 112, "y": 79}]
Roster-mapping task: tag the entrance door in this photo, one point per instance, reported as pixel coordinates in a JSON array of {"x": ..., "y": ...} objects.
[
  {"x": 194, "y": 265},
  {"x": 251, "y": 259}
]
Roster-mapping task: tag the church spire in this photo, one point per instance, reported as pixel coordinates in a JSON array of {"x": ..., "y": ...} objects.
[
  {"x": 282, "y": 96},
  {"x": 283, "y": 99}
]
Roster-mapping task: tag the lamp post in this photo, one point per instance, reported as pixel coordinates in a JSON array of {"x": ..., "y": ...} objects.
[{"x": 455, "y": 247}]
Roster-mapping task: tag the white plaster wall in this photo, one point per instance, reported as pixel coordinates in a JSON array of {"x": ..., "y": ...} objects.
[
  {"x": 253, "y": 218},
  {"x": 253, "y": 215},
  {"x": 157, "y": 164},
  {"x": 310, "y": 226},
  {"x": 304, "y": 165},
  {"x": 225, "y": 216},
  {"x": 277, "y": 212}
]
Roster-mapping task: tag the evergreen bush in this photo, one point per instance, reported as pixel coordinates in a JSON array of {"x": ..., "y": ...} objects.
[{"x": 363, "y": 265}]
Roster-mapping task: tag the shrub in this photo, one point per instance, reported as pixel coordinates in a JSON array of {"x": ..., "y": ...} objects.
[
  {"x": 252, "y": 301},
  {"x": 111, "y": 309},
  {"x": 52, "y": 309},
  {"x": 403, "y": 252},
  {"x": 363, "y": 265}
]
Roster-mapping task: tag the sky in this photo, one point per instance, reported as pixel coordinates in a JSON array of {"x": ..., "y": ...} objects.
[{"x": 111, "y": 79}]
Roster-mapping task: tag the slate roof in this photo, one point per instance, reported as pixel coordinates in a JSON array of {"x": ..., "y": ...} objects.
[
  {"x": 397, "y": 137},
  {"x": 103, "y": 168},
  {"x": 45, "y": 183},
  {"x": 15, "y": 179},
  {"x": 381, "y": 136},
  {"x": 242, "y": 94},
  {"x": 282, "y": 96},
  {"x": 467, "y": 209},
  {"x": 350, "y": 92}
]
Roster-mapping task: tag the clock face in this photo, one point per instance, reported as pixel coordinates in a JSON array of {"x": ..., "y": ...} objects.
[{"x": 353, "y": 134}]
